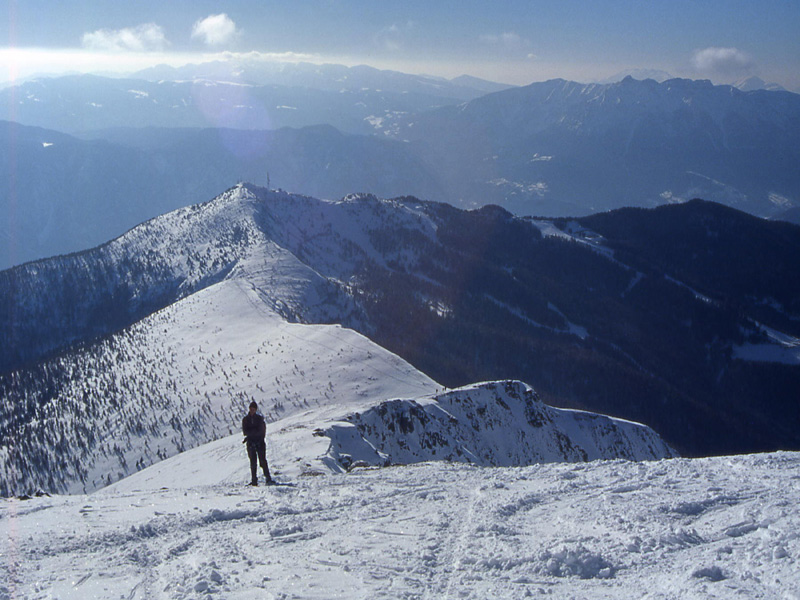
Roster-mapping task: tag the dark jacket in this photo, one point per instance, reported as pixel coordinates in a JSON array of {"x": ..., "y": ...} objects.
[{"x": 254, "y": 427}]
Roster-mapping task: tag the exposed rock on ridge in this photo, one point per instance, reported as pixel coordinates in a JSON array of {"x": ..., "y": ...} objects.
[{"x": 501, "y": 423}]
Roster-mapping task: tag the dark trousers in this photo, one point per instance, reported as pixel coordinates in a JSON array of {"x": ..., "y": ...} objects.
[{"x": 258, "y": 449}]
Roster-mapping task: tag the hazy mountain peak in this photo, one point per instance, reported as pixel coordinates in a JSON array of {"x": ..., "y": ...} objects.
[
  {"x": 750, "y": 84},
  {"x": 640, "y": 74},
  {"x": 480, "y": 84}
]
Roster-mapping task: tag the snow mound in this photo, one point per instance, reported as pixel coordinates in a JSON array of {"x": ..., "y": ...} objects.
[{"x": 490, "y": 424}]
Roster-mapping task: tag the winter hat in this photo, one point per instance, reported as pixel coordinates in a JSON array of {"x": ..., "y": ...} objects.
[{"x": 253, "y": 404}]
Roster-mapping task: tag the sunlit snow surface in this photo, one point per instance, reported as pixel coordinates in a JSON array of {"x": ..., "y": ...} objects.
[
  {"x": 187, "y": 527},
  {"x": 678, "y": 528}
]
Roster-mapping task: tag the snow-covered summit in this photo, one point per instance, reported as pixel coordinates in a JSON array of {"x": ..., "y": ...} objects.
[{"x": 752, "y": 83}]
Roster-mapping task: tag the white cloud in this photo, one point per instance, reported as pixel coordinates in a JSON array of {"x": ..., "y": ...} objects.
[
  {"x": 215, "y": 30},
  {"x": 508, "y": 40},
  {"x": 148, "y": 37},
  {"x": 267, "y": 56},
  {"x": 391, "y": 38},
  {"x": 724, "y": 62},
  {"x": 21, "y": 63}
]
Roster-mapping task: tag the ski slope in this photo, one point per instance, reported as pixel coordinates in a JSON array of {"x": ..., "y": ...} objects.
[{"x": 723, "y": 528}]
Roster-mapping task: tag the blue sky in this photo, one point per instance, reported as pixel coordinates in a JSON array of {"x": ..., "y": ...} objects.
[{"x": 513, "y": 41}]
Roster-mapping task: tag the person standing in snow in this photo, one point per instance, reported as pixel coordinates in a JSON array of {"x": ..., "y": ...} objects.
[{"x": 254, "y": 429}]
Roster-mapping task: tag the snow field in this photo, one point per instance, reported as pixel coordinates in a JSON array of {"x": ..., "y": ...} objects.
[
  {"x": 185, "y": 375},
  {"x": 678, "y": 528}
]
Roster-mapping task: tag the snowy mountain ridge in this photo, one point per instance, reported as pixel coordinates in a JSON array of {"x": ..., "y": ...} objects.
[
  {"x": 234, "y": 304},
  {"x": 151, "y": 344},
  {"x": 148, "y": 268},
  {"x": 243, "y": 233}
]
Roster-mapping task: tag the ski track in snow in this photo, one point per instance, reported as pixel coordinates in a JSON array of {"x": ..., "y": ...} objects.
[{"x": 679, "y": 528}]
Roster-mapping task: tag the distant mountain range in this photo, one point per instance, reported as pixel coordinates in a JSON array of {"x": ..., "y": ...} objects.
[
  {"x": 239, "y": 96},
  {"x": 563, "y": 148},
  {"x": 682, "y": 317},
  {"x": 556, "y": 148},
  {"x": 328, "y": 77},
  {"x": 745, "y": 84}
]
